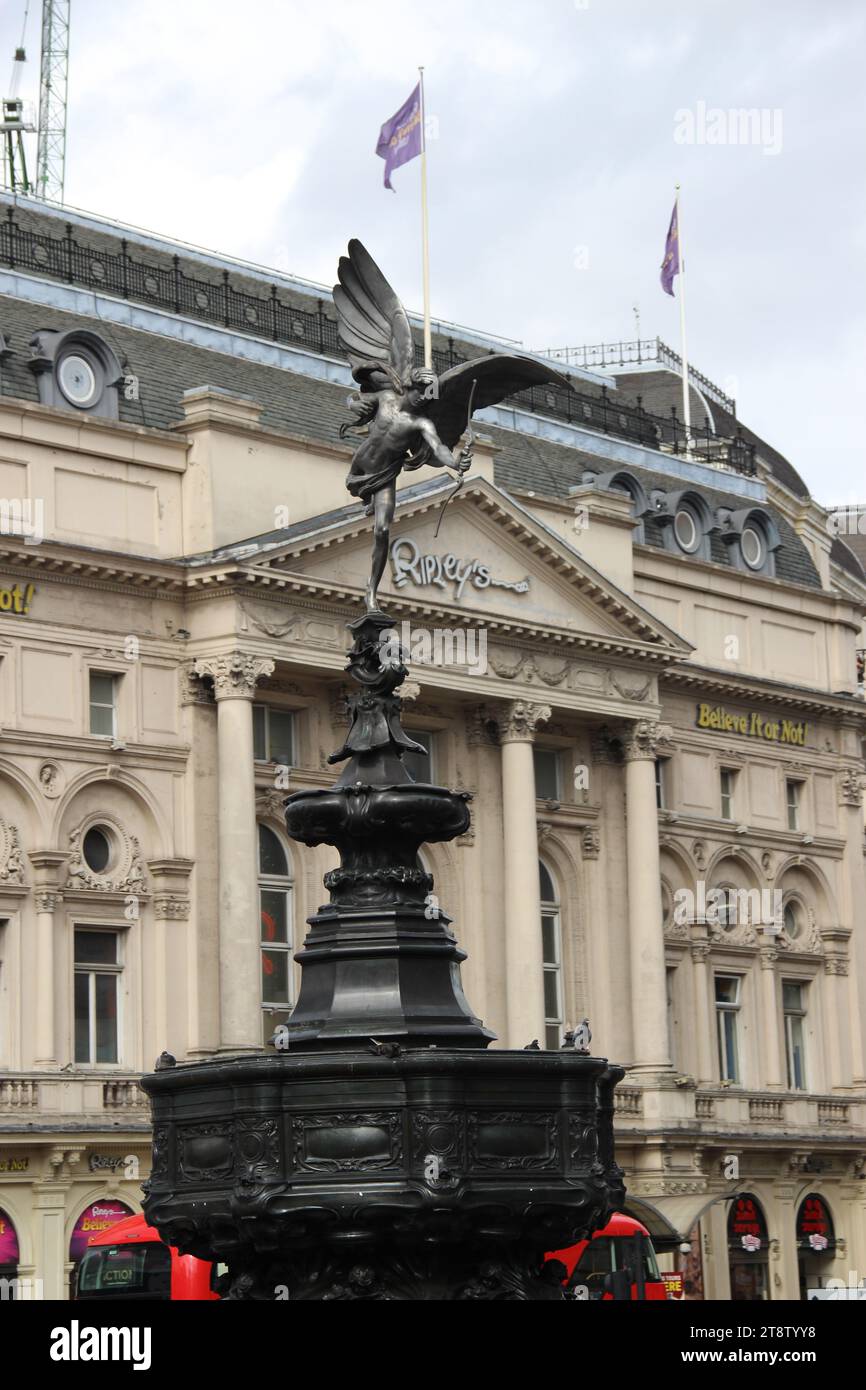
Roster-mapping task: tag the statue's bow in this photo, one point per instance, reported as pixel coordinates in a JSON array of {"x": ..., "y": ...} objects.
[{"x": 471, "y": 440}]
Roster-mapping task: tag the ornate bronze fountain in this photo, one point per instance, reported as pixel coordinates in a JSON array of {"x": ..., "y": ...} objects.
[{"x": 381, "y": 1151}]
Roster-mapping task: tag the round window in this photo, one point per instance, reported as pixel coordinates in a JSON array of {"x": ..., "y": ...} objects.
[
  {"x": 97, "y": 850},
  {"x": 77, "y": 379},
  {"x": 752, "y": 545},
  {"x": 686, "y": 530},
  {"x": 793, "y": 921}
]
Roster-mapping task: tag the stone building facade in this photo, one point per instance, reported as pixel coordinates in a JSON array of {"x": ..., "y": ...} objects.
[{"x": 641, "y": 663}]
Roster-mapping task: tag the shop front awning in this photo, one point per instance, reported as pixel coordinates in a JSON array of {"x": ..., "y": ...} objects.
[{"x": 670, "y": 1219}]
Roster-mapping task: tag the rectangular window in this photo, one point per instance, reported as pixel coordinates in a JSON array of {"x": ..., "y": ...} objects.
[
  {"x": 97, "y": 977},
  {"x": 548, "y": 781},
  {"x": 661, "y": 783},
  {"x": 551, "y": 942},
  {"x": 727, "y": 1010},
  {"x": 671, "y": 981},
  {"x": 794, "y": 792},
  {"x": 794, "y": 1009},
  {"x": 728, "y": 781},
  {"x": 420, "y": 765},
  {"x": 273, "y": 735},
  {"x": 103, "y": 704},
  {"x": 276, "y": 917}
]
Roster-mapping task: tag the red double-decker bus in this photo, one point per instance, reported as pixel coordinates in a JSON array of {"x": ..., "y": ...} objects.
[
  {"x": 619, "y": 1261},
  {"x": 130, "y": 1261}
]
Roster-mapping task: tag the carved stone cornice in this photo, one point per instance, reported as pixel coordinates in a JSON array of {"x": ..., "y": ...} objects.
[
  {"x": 235, "y": 675},
  {"x": 518, "y": 721},
  {"x": 645, "y": 740}
]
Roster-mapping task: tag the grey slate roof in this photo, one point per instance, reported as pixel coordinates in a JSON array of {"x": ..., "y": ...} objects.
[
  {"x": 662, "y": 389},
  {"x": 850, "y": 555},
  {"x": 303, "y": 406},
  {"x": 553, "y": 469}
]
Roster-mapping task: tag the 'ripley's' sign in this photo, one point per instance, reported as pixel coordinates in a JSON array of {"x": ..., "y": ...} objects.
[
  {"x": 752, "y": 725},
  {"x": 407, "y": 563}
]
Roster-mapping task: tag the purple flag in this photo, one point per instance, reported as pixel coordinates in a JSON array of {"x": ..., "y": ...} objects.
[
  {"x": 400, "y": 139},
  {"x": 671, "y": 262}
]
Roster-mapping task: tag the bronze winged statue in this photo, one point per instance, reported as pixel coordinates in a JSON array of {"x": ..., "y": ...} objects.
[{"x": 412, "y": 416}]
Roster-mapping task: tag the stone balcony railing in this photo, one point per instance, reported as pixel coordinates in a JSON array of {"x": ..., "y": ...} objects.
[
  {"x": 67, "y": 1096},
  {"x": 732, "y": 1109}
]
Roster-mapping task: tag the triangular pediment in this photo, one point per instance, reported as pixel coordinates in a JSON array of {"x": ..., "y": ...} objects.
[{"x": 492, "y": 561}]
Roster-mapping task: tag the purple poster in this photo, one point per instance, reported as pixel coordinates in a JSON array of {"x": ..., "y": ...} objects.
[
  {"x": 97, "y": 1218},
  {"x": 8, "y": 1241}
]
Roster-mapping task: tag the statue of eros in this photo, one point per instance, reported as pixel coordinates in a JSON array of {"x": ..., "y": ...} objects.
[{"x": 411, "y": 416}]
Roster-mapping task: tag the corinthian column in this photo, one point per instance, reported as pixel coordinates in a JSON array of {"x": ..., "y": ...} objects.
[
  {"x": 853, "y": 892},
  {"x": 47, "y": 865},
  {"x": 524, "y": 972},
  {"x": 646, "y": 935},
  {"x": 771, "y": 1056},
  {"x": 234, "y": 677}
]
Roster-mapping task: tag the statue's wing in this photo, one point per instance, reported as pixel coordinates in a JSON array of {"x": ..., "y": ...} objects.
[
  {"x": 497, "y": 376},
  {"x": 373, "y": 325}
]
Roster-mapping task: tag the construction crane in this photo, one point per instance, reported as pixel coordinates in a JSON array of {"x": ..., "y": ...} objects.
[
  {"x": 15, "y": 123},
  {"x": 53, "y": 79}
]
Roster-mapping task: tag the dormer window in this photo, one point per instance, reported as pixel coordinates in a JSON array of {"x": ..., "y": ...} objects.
[
  {"x": 752, "y": 538},
  {"x": 686, "y": 530},
  {"x": 687, "y": 522},
  {"x": 76, "y": 371},
  {"x": 754, "y": 548}
]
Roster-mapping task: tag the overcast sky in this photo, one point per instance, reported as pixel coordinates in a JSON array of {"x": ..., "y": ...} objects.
[{"x": 559, "y": 132}]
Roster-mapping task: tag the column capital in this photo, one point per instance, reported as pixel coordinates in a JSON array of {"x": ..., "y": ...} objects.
[
  {"x": 192, "y": 692},
  {"x": 835, "y": 965},
  {"x": 46, "y": 901},
  {"x": 518, "y": 721},
  {"x": 851, "y": 788},
  {"x": 645, "y": 740},
  {"x": 769, "y": 956},
  {"x": 235, "y": 675}
]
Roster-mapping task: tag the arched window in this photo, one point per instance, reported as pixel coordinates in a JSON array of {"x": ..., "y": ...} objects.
[
  {"x": 275, "y": 906},
  {"x": 551, "y": 947},
  {"x": 748, "y": 1254}
]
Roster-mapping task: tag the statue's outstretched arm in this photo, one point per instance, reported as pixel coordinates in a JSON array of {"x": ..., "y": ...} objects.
[{"x": 440, "y": 456}]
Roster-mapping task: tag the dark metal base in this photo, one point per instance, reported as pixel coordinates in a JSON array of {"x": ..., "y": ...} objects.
[{"x": 384, "y": 1174}]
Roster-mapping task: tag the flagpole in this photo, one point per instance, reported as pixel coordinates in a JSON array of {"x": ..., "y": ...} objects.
[
  {"x": 687, "y": 412},
  {"x": 425, "y": 231}
]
